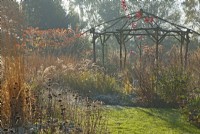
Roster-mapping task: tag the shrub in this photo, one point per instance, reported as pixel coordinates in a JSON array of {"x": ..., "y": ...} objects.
[
  {"x": 146, "y": 87},
  {"x": 191, "y": 107},
  {"x": 91, "y": 83},
  {"x": 193, "y": 111},
  {"x": 173, "y": 85}
]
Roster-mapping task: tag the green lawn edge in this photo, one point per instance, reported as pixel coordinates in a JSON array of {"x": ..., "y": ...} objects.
[{"x": 137, "y": 120}]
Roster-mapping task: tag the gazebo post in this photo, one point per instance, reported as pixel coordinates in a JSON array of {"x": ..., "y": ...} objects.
[
  {"x": 103, "y": 52},
  {"x": 94, "y": 37},
  {"x": 181, "y": 48},
  {"x": 103, "y": 41},
  {"x": 186, "y": 49},
  {"x": 156, "y": 58},
  {"x": 125, "y": 49},
  {"x": 157, "y": 43},
  {"x": 121, "y": 42},
  {"x": 1, "y": 44}
]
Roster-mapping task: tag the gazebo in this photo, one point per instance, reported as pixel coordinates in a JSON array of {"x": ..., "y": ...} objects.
[{"x": 141, "y": 23}]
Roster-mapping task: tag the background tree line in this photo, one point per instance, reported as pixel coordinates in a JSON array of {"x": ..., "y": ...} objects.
[{"x": 47, "y": 14}]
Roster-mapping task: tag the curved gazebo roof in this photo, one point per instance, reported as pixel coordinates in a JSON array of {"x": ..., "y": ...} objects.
[{"x": 138, "y": 21}]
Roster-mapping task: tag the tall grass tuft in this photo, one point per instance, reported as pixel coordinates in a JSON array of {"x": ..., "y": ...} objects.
[{"x": 15, "y": 108}]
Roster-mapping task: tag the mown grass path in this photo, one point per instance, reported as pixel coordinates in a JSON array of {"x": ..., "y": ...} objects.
[{"x": 126, "y": 120}]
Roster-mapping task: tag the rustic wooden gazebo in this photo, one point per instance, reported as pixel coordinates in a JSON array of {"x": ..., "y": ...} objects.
[{"x": 141, "y": 23}]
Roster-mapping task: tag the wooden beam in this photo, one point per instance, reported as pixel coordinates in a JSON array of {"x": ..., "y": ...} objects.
[
  {"x": 150, "y": 35},
  {"x": 117, "y": 37},
  {"x": 133, "y": 34},
  {"x": 163, "y": 37}
]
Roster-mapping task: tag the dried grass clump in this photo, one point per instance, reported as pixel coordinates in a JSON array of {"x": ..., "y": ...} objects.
[
  {"x": 1, "y": 68},
  {"x": 15, "y": 95}
]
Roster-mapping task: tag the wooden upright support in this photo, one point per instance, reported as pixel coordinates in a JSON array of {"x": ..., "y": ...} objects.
[
  {"x": 1, "y": 40},
  {"x": 103, "y": 45},
  {"x": 181, "y": 48},
  {"x": 121, "y": 43},
  {"x": 157, "y": 45},
  {"x": 125, "y": 49},
  {"x": 156, "y": 58},
  {"x": 1, "y": 44},
  {"x": 186, "y": 47},
  {"x": 103, "y": 41},
  {"x": 93, "y": 42}
]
